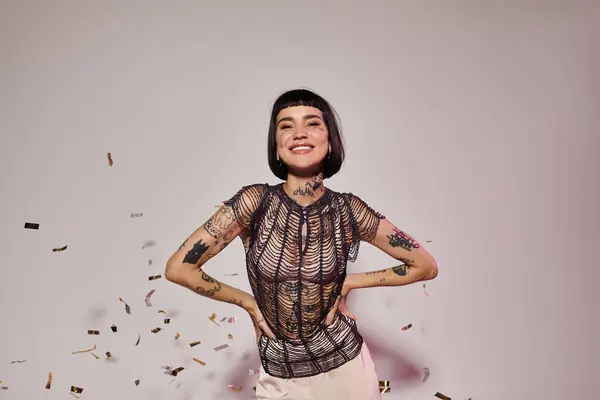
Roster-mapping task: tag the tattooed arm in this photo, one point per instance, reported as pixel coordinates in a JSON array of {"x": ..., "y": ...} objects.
[
  {"x": 185, "y": 266},
  {"x": 417, "y": 264}
]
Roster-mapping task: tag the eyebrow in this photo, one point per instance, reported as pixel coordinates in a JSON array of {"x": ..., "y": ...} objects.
[{"x": 305, "y": 118}]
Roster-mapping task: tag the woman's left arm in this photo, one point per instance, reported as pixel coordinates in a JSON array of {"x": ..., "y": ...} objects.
[{"x": 417, "y": 264}]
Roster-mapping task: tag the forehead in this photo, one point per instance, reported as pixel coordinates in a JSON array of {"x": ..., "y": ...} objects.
[{"x": 298, "y": 112}]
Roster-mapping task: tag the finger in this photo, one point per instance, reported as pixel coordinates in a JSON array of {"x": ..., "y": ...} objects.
[
  {"x": 265, "y": 328},
  {"x": 331, "y": 313}
]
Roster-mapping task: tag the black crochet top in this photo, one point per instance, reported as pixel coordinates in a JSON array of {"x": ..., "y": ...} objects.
[{"x": 296, "y": 260}]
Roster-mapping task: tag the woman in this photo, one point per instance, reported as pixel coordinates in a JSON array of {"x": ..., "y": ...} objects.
[{"x": 298, "y": 237}]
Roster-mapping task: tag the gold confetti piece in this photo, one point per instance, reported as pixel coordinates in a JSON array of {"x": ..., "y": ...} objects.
[
  {"x": 407, "y": 327},
  {"x": 162, "y": 312},
  {"x": 177, "y": 335},
  {"x": 18, "y": 361},
  {"x": 441, "y": 396},
  {"x": 177, "y": 371},
  {"x": 49, "y": 383},
  {"x": 384, "y": 387},
  {"x": 150, "y": 293},
  {"x": 84, "y": 351},
  {"x": 32, "y": 225},
  {"x": 254, "y": 388},
  {"x": 92, "y": 332},
  {"x": 234, "y": 388},
  {"x": 222, "y": 347},
  {"x": 212, "y": 318},
  {"x": 148, "y": 243},
  {"x": 95, "y": 356},
  {"x": 136, "y": 215},
  {"x": 156, "y": 330},
  {"x": 137, "y": 382},
  {"x": 114, "y": 328},
  {"x": 59, "y": 249},
  {"x": 199, "y": 361},
  {"x": 127, "y": 308},
  {"x": 425, "y": 374},
  {"x": 153, "y": 278},
  {"x": 167, "y": 320},
  {"x": 108, "y": 355},
  {"x": 253, "y": 371},
  {"x": 230, "y": 336},
  {"x": 138, "y": 341},
  {"x": 194, "y": 344},
  {"x": 110, "y": 160},
  {"x": 76, "y": 389}
]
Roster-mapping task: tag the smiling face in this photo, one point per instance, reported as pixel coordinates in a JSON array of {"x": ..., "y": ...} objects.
[{"x": 302, "y": 138}]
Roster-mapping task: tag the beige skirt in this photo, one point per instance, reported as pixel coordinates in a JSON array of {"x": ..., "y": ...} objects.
[{"x": 355, "y": 380}]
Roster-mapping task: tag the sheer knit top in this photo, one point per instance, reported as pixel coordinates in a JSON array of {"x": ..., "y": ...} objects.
[{"x": 296, "y": 260}]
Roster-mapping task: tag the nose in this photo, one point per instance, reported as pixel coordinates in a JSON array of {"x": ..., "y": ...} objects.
[{"x": 300, "y": 133}]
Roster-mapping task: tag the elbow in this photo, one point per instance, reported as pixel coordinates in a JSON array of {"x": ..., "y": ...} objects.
[
  {"x": 172, "y": 273},
  {"x": 431, "y": 271}
]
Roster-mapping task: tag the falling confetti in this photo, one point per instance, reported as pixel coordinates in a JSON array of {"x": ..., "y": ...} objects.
[
  {"x": 114, "y": 328},
  {"x": 212, "y": 318},
  {"x": 230, "y": 320},
  {"x": 49, "y": 383},
  {"x": 108, "y": 355},
  {"x": 138, "y": 341},
  {"x": 150, "y": 293},
  {"x": 194, "y": 344},
  {"x": 177, "y": 335},
  {"x": 407, "y": 327},
  {"x": 137, "y": 382},
  {"x": 167, "y": 320},
  {"x": 127, "y": 308},
  {"x": 441, "y": 396},
  {"x": 428, "y": 241},
  {"x": 76, "y": 389},
  {"x": 149, "y": 262},
  {"x": 153, "y": 278},
  {"x": 110, "y": 160},
  {"x": 425, "y": 290},
  {"x": 31, "y": 225},
  {"x": 234, "y": 274},
  {"x": 230, "y": 336},
  {"x": 425, "y": 374},
  {"x": 235, "y": 389},
  {"x": 162, "y": 312},
  {"x": 156, "y": 330},
  {"x": 136, "y": 215},
  {"x": 59, "y": 249},
  {"x": 84, "y": 351},
  {"x": 18, "y": 361},
  {"x": 253, "y": 371},
  {"x": 384, "y": 387},
  {"x": 95, "y": 356},
  {"x": 92, "y": 332},
  {"x": 222, "y": 347},
  {"x": 173, "y": 372},
  {"x": 148, "y": 243},
  {"x": 199, "y": 361}
]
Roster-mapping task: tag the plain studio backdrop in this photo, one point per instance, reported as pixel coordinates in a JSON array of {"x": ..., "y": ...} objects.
[{"x": 472, "y": 125}]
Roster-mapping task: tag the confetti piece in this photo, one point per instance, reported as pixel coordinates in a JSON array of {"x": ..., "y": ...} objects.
[
  {"x": 76, "y": 389},
  {"x": 3, "y": 387},
  {"x": 234, "y": 274},
  {"x": 74, "y": 395},
  {"x": 177, "y": 335},
  {"x": 156, "y": 330},
  {"x": 162, "y": 312},
  {"x": 110, "y": 160},
  {"x": 148, "y": 243},
  {"x": 167, "y": 320},
  {"x": 49, "y": 383},
  {"x": 153, "y": 278},
  {"x": 150, "y": 293},
  {"x": 31, "y": 225},
  {"x": 95, "y": 356},
  {"x": 194, "y": 344},
  {"x": 234, "y": 388},
  {"x": 384, "y": 387},
  {"x": 108, "y": 355},
  {"x": 114, "y": 328},
  {"x": 428, "y": 241},
  {"x": 229, "y": 320},
  {"x": 177, "y": 371},
  {"x": 425, "y": 290},
  {"x": 212, "y": 318},
  {"x": 91, "y": 332},
  {"x": 137, "y": 382},
  {"x": 199, "y": 361},
  {"x": 138, "y": 341},
  {"x": 230, "y": 336},
  {"x": 136, "y": 215},
  {"x": 407, "y": 327},
  {"x": 149, "y": 262},
  {"x": 222, "y": 347},
  {"x": 253, "y": 371},
  {"x": 441, "y": 396},
  {"x": 59, "y": 249},
  {"x": 84, "y": 351},
  {"x": 127, "y": 308},
  {"x": 425, "y": 374},
  {"x": 18, "y": 361}
]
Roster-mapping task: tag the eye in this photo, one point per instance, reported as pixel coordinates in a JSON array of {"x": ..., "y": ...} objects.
[
  {"x": 314, "y": 124},
  {"x": 285, "y": 126}
]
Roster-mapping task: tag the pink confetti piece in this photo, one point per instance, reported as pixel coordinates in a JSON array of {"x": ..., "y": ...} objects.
[
  {"x": 425, "y": 291},
  {"x": 253, "y": 371},
  {"x": 150, "y": 293},
  {"x": 222, "y": 347}
]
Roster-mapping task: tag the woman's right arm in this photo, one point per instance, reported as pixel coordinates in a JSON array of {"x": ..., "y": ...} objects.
[{"x": 185, "y": 266}]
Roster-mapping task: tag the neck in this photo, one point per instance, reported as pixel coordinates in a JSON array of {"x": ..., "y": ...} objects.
[{"x": 305, "y": 190}]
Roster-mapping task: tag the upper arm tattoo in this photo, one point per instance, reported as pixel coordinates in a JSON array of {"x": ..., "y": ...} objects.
[
  {"x": 194, "y": 255},
  {"x": 220, "y": 222},
  {"x": 403, "y": 240}
]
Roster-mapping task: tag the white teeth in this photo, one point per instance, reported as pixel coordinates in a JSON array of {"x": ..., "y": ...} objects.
[{"x": 301, "y": 148}]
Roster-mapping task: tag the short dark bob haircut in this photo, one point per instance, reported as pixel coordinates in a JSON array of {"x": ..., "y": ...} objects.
[{"x": 304, "y": 97}]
